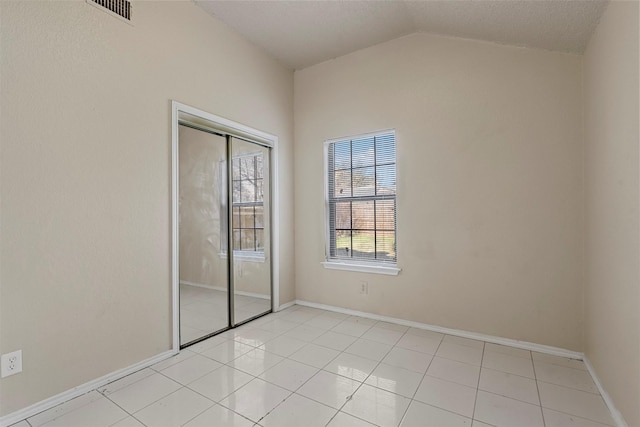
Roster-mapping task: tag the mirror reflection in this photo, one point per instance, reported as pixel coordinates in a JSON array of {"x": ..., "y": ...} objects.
[{"x": 208, "y": 226}]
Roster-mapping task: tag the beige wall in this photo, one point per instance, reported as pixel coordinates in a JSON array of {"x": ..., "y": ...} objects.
[
  {"x": 612, "y": 300},
  {"x": 85, "y": 176},
  {"x": 490, "y": 188},
  {"x": 200, "y": 176}
]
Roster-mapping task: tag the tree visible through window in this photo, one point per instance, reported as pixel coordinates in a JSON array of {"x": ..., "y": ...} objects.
[
  {"x": 248, "y": 203},
  {"x": 362, "y": 198}
]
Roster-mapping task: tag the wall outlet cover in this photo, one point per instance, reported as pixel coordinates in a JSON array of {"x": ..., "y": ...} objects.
[
  {"x": 364, "y": 287},
  {"x": 11, "y": 363}
]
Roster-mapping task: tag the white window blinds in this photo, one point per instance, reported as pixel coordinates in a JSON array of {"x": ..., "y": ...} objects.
[{"x": 362, "y": 198}]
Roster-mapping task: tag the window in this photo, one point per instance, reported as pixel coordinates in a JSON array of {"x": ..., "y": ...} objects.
[
  {"x": 248, "y": 203},
  {"x": 361, "y": 199},
  {"x": 247, "y": 206}
]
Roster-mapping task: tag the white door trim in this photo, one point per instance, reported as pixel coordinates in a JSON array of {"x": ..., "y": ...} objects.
[{"x": 230, "y": 127}]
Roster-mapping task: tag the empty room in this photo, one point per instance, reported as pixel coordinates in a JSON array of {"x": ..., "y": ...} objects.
[{"x": 320, "y": 213}]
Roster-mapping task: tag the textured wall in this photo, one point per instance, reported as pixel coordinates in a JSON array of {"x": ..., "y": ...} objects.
[
  {"x": 490, "y": 187},
  {"x": 85, "y": 172},
  {"x": 612, "y": 298}
]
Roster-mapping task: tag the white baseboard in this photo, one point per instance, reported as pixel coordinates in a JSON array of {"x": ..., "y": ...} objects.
[
  {"x": 615, "y": 414},
  {"x": 449, "y": 331},
  {"x": 286, "y": 305},
  {"x": 223, "y": 289},
  {"x": 49, "y": 403}
]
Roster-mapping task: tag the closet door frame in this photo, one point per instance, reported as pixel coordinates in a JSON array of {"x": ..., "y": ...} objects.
[{"x": 181, "y": 113}]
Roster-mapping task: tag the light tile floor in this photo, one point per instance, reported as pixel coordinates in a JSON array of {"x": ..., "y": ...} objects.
[
  {"x": 204, "y": 311},
  {"x": 307, "y": 367}
]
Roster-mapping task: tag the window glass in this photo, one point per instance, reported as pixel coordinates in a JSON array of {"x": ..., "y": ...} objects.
[
  {"x": 248, "y": 203},
  {"x": 362, "y": 198}
]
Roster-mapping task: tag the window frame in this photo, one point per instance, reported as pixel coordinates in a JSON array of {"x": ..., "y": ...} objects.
[
  {"x": 240, "y": 254},
  {"x": 363, "y": 266}
]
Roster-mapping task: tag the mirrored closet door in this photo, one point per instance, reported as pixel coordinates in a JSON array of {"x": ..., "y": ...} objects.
[
  {"x": 250, "y": 227},
  {"x": 223, "y": 231}
]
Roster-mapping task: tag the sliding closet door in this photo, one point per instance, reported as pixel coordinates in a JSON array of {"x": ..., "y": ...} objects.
[
  {"x": 250, "y": 230},
  {"x": 202, "y": 229}
]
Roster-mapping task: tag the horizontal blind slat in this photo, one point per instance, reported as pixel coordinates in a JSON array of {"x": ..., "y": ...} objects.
[{"x": 362, "y": 198}]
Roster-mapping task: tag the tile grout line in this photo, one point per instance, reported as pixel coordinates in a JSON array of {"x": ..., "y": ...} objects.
[
  {"x": 571, "y": 414},
  {"x": 423, "y": 376},
  {"x": 560, "y": 366},
  {"x": 535, "y": 376},
  {"x": 314, "y": 367},
  {"x": 510, "y": 373},
  {"x": 475, "y": 401},
  {"x": 322, "y": 369},
  {"x": 224, "y": 397},
  {"x": 218, "y": 403},
  {"x": 291, "y": 393},
  {"x": 509, "y": 397},
  {"x": 567, "y": 387},
  {"x": 181, "y": 386},
  {"x": 244, "y": 385},
  {"x": 274, "y": 408},
  {"x": 125, "y": 411},
  {"x": 581, "y": 417},
  {"x": 350, "y": 397},
  {"x": 146, "y": 406}
]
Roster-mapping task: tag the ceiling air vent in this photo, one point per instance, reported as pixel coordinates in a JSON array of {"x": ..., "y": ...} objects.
[{"x": 121, "y": 8}]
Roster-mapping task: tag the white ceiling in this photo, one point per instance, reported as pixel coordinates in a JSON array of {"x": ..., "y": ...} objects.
[{"x": 305, "y": 32}]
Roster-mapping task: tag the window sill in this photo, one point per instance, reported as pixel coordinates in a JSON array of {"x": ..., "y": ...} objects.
[
  {"x": 245, "y": 256},
  {"x": 361, "y": 267}
]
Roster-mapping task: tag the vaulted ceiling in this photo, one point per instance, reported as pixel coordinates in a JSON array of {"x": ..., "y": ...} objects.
[{"x": 305, "y": 32}]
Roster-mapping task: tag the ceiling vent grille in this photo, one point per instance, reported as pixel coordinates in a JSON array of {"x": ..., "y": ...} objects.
[{"x": 121, "y": 8}]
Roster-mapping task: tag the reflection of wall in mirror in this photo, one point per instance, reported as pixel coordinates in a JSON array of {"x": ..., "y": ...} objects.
[
  {"x": 202, "y": 261},
  {"x": 200, "y": 224}
]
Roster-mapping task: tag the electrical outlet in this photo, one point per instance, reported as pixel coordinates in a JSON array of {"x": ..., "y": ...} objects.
[
  {"x": 11, "y": 363},
  {"x": 364, "y": 288}
]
